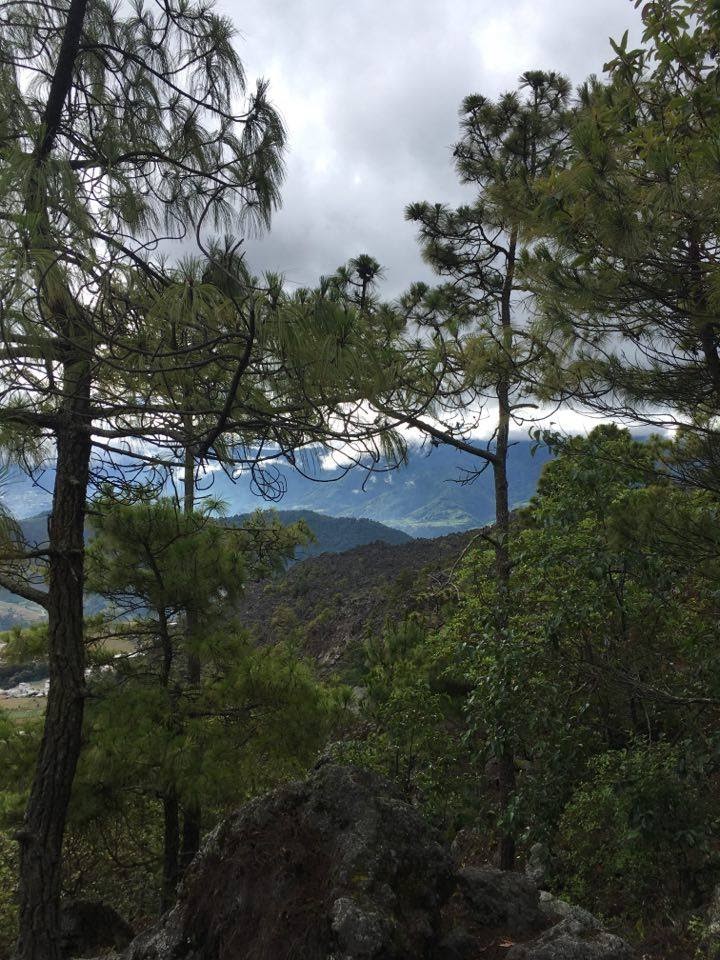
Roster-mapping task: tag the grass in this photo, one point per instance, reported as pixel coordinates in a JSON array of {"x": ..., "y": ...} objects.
[
  {"x": 23, "y": 708},
  {"x": 27, "y": 708}
]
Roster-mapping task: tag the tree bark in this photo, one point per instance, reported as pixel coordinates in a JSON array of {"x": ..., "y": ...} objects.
[
  {"x": 506, "y": 788},
  {"x": 192, "y": 813},
  {"x": 506, "y": 760},
  {"x": 171, "y": 818},
  {"x": 171, "y": 850},
  {"x": 62, "y": 77},
  {"x": 191, "y": 834},
  {"x": 41, "y": 838},
  {"x": 707, "y": 332}
]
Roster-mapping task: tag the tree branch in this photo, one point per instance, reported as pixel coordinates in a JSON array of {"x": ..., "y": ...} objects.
[
  {"x": 440, "y": 435},
  {"x": 62, "y": 78},
  {"x": 25, "y": 591}
]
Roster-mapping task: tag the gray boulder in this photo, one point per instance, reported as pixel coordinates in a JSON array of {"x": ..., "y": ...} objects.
[
  {"x": 537, "y": 867},
  {"x": 497, "y": 898},
  {"x": 88, "y": 929},
  {"x": 499, "y": 914},
  {"x": 557, "y": 910},
  {"x": 573, "y": 939},
  {"x": 335, "y": 867},
  {"x": 338, "y": 868}
]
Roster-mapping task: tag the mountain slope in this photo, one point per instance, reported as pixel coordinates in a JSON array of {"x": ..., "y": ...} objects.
[
  {"x": 429, "y": 497},
  {"x": 424, "y": 498},
  {"x": 333, "y": 602},
  {"x": 334, "y": 534}
]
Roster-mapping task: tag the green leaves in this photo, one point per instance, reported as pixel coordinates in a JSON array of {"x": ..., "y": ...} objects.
[
  {"x": 628, "y": 265},
  {"x": 647, "y": 809}
]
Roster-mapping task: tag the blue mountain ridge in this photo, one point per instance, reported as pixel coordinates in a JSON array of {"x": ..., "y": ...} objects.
[{"x": 429, "y": 497}]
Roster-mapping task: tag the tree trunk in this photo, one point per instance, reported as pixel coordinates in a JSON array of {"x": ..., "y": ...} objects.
[
  {"x": 171, "y": 818},
  {"x": 41, "y": 838},
  {"x": 506, "y": 788},
  {"x": 192, "y": 813},
  {"x": 506, "y": 760},
  {"x": 706, "y": 327},
  {"x": 171, "y": 850},
  {"x": 191, "y": 833}
]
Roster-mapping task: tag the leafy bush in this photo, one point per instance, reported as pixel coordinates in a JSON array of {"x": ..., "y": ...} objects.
[
  {"x": 635, "y": 839},
  {"x": 8, "y": 894},
  {"x": 411, "y": 727}
]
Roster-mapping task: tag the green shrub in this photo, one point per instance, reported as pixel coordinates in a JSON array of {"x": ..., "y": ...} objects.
[
  {"x": 410, "y": 726},
  {"x": 636, "y": 838},
  {"x": 8, "y": 894}
]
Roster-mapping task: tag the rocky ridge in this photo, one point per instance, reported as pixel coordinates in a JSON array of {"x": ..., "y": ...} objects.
[{"x": 338, "y": 868}]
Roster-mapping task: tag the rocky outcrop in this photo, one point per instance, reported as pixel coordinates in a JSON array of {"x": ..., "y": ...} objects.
[
  {"x": 573, "y": 939},
  {"x": 338, "y": 868},
  {"x": 497, "y": 898},
  {"x": 537, "y": 864},
  {"x": 88, "y": 929},
  {"x": 332, "y": 867}
]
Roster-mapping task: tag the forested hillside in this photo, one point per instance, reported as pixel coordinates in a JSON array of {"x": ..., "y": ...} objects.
[
  {"x": 333, "y": 604},
  {"x": 332, "y": 534},
  {"x": 425, "y": 497},
  {"x": 314, "y": 730},
  {"x": 328, "y": 535}
]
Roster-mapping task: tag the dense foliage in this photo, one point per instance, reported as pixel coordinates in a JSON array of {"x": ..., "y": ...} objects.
[
  {"x": 559, "y": 684},
  {"x": 606, "y": 679}
]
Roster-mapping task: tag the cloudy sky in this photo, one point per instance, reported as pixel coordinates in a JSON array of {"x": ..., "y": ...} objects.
[{"x": 369, "y": 92}]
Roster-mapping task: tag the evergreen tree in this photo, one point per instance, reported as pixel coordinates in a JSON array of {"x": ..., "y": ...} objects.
[
  {"x": 118, "y": 130},
  {"x": 626, "y": 273},
  {"x": 178, "y": 575},
  {"x": 287, "y": 373},
  {"x": 128, "y": 138},
  {"x": 477, "y": 351}
]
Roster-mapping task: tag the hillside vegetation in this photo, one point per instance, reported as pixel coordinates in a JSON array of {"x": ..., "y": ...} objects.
[
  {"x": 439, "y": 727},
  {"x": 334, "y": 603}
]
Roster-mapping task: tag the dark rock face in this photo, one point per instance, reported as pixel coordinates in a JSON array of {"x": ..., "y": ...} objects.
[
  {"x": 538, "y": 862},
  {"x": 496, "y": 898},
  {"x": 88, "y": 929},
  {"x": 333, "y": 867},
  {"x": 572, "y": 939},
  {"x": 337, "y": 868}
]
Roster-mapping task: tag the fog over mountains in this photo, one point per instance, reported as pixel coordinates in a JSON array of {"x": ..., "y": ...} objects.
[{"x": 429, "y": 497}]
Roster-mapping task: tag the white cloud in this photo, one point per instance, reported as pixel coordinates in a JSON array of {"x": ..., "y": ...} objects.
[
  {"x": 509, "y": 42},
  {"x": 369, "y": 93},
  {"x": 330, "y": 460}
]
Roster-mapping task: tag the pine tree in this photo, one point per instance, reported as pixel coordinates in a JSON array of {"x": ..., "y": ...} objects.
[
  {"x": 118, "y": 130},
  {"x": 477, "y": 352},
  {"x": 626, "y": 270},
  {"x": 174, "y": 576}
]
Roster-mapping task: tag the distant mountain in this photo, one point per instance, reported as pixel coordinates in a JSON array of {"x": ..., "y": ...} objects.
[
  {"x": 22, "y": 497},
  {"x": 334, "y": 534},
  {"x": 427, "y": 498},
  {"x": 430, "y": 497}
]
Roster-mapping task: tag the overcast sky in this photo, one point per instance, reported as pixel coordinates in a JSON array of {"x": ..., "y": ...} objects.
[{"x": 369, "y": 92}]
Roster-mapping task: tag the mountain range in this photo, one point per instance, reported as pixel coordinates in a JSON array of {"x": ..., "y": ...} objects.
[
  {"x": 431, "y": 496},
  {"x": 332, "y": 535}
]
